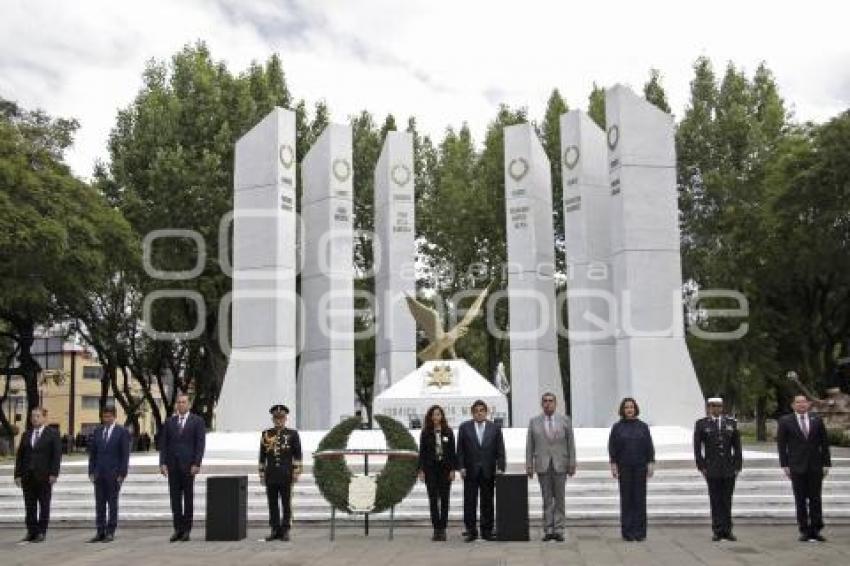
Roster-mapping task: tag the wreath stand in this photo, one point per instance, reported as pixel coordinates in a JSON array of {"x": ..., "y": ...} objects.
[{"x": 365, "y": 452}]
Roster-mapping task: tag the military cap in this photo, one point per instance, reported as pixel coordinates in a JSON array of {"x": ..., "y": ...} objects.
[{"x": 279, "y": 410}]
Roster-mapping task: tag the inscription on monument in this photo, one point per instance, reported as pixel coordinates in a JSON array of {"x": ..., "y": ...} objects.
[
  {"x": 285, "y": 202},
  {"x": 519, "y": 216}
]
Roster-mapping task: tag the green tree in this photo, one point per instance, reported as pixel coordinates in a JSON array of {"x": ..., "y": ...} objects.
[
  {"x": 57, "y": 233},
  {"x": 596, "y": 105},
  {"x": 724, "y": 141},
  {"x": 171, "y": 166},
  {"x": 654, "y": 92},
  {"x": 550, "y": 137}
]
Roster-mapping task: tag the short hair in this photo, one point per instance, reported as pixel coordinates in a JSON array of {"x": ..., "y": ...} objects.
[
  {"x": 42, "y": 410},
  {"x": 800, "y": 394},
  {"x": 548, "y": 394},
  {"x": 479, "y": 403},
  {"x": 108, "y": 409},
  {"x": 622, "y": 410},
  {"x": 181, "y": 394}
]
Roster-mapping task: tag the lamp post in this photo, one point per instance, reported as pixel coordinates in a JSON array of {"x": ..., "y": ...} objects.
[{"x": 72, "y": 389}]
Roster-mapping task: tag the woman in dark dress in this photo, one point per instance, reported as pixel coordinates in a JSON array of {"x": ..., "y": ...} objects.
[
  {"x": 632, "y": 457},
  {"x": 437, "y": 465}
]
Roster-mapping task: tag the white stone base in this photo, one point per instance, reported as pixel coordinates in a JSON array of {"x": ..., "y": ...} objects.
[{"x": 416, "y": 392}]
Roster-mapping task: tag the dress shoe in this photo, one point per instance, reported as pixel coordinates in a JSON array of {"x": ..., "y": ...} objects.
[
  {"x": 629, "y": 539},
  {"x": 558, "y": 537},
  {"x": 730, "y": 537},
  {"x": 818, "y": 538},
  {"x": 470, "y": 537},
  {"x": 184, "y": 537},
  {"x": 547, "y": 536},
  {"x": 441, "y": 536},
  {"x": 28, "y": 537},
  {"x": 108, "y": 538},
  {"x": 175, "y": 537},
  {"x": 284, "y": 535},
  {"x": 488, "y": 537},
  {"x": 803, "y": 538},
  {"x": 274, "y": 535},
  {"x": 97, "y": 538},
  {"x": 716, "y": 538},
  {"x": 38, "y": 538},
  {"x": 640, "y": 539}
]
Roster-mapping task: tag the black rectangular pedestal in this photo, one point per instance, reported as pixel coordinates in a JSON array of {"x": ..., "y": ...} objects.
[
  {"x": 512, "y": 507},
  {"x": 227, "y": 507}
]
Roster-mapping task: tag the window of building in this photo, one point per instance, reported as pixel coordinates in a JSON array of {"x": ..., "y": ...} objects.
[
  {"x": 92, "y": 402},
  {"x": 92, "y": 372}
]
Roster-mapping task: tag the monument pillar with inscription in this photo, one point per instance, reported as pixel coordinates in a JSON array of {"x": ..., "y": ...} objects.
[
  {"x": 653, "y": 363},
  {"x": 395, "y": 255},
  {"x": 531, "y": 265},
  {"x": 594, "y": 393},
  {"x": 326, "y": 374},
  {"x": 261, "y": 368}
]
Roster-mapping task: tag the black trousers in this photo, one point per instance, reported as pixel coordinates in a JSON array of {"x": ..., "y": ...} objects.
[
  {"x": 37, "y": 493},
  {"x": 807, "y": 498},
  {"x": 181, "y": 487},
  {"x": 438, "y": 486},
  {"x": 476, "y": 484},
  {"x": 279, "y": 496},
  {"x": 106, "y": 489},
  {"x": 720, "y": 495},
  {"x": 632, "y": 501}
]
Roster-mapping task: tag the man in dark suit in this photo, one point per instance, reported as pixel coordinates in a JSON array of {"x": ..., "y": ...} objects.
[
  {"x": 109, "y": 458},
  {"x": 36, "y": 469},
  {"x": 480, "y": 455},
  {"x": 181, "y": 450},
  {"x": 804, "y": 456},
  {"x": 717, "y": 451}
]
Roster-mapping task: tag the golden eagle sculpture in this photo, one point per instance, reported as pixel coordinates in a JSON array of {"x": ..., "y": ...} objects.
[{"x": 440, "y": 340}]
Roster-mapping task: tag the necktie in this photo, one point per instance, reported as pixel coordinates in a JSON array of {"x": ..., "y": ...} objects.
[
  {"x": 182, "y": 422},
  {"x": 35, "y": 437},
  {"x": 480, "y": 430},
  {"x": 804, "y": 425},
  {"x": 549, "y": 427},
  {"x": 106, "y": 434}
]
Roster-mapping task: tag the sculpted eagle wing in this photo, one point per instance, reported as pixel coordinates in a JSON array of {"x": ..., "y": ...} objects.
[
  {"x": 427, "y": 318},
  {"x": 475, "y": 309}
]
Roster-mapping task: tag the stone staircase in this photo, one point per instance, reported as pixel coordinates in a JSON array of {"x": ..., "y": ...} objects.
[{"x": 676, "y": 494}]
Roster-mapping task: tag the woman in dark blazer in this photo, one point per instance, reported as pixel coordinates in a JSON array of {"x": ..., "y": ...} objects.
[
  {"x": 632, "y": 457},
  {"x": 437, "y": 465}
]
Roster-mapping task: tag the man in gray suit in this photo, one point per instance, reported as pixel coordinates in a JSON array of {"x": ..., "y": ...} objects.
[{"x": 550, "y": 450}]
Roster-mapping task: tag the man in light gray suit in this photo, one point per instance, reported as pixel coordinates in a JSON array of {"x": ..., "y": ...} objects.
[{"x": 550, "y": 450}]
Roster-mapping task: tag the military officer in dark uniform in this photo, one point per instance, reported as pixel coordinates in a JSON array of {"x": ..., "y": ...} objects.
[
  {"x": 280, "y": 466},
  {"x": 717, "y": 450}
]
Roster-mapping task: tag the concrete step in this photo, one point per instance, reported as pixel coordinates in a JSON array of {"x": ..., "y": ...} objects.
[{"x": 676, "y": 493}]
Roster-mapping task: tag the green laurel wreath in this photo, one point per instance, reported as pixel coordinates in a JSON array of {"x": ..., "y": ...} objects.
[{"x": 393, "y": 483}]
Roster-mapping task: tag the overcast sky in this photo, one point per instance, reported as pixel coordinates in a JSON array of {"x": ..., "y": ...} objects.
[{"x": 443, "y": 61}]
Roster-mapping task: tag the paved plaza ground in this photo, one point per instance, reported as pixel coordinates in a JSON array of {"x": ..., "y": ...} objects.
[{"x": 666, "y": 545}]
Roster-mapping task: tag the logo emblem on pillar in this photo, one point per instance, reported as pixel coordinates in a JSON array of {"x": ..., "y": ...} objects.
[
  {"x": 518, "y": 168},
  {"x": 571, "y": 156},
  {"x": 400, "y": 174},
  {"x": 341, "y": 169},
  {"x": 286, "y": 155},
  {"x": 613, "y": 136}
]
